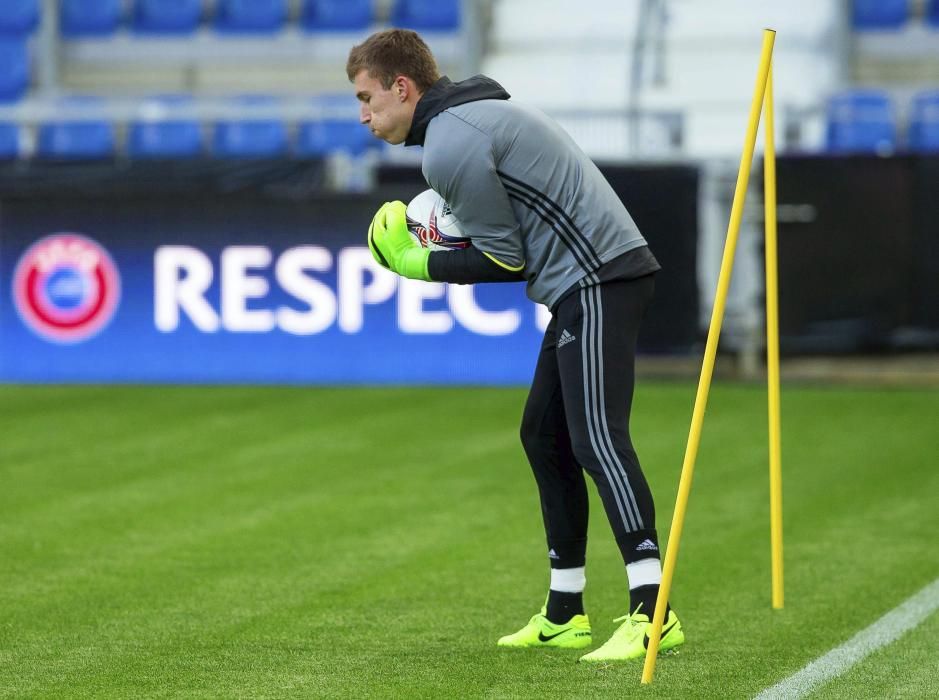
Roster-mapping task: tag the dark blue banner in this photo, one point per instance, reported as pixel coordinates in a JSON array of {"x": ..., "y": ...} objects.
[{"x": 229, "y": 289}]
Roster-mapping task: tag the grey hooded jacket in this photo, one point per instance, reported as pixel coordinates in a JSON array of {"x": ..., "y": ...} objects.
[{"x": 524, "y": 192}]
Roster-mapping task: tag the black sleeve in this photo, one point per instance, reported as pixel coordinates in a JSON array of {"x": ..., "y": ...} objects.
[{"x": 467, "y": 266}]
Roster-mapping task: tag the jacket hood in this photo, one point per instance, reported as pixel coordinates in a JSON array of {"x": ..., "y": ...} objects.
[{"x": 445, "y": 94}]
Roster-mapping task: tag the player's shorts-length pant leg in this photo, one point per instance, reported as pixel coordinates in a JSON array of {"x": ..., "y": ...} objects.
[{"x": 597, "y": 371}]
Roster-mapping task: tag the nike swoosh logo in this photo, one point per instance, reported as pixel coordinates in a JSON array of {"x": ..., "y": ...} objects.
[
  {"x": 665, "y": 630},
  {"x": 543, "y": 638}
]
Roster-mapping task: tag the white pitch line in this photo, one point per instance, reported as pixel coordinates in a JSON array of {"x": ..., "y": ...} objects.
[{"x": 901, "y": 619}]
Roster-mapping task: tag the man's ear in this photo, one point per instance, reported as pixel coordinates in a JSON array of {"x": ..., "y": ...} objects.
[{"x": 402, "y": 87}]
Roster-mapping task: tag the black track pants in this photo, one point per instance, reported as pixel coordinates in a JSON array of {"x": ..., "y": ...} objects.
[{"x": 577, "y": 419}]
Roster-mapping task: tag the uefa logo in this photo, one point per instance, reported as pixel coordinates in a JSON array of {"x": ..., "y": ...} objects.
[{"x": 66, "y": 288}]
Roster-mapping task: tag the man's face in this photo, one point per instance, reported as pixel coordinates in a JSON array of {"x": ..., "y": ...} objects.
[{"x": 387, "y": 113}]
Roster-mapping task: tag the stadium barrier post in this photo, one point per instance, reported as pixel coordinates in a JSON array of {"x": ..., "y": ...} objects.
[
  {"x": 772, "y": 345},
  {"x": 710, "y": 352}
]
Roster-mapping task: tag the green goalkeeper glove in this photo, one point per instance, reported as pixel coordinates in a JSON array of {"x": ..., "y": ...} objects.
[{"x": 393, "y": 246}]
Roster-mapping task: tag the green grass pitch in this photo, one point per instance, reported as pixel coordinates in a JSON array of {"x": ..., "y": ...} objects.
[{"x": 290, "y": 542}]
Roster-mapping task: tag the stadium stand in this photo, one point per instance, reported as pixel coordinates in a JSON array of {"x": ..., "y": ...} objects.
[
  {"x": 650, "y": 79},
  {"x": 420, "y": 15},
  {"x": 924, "y": 122},
  {"x": 84, "y": 139},
  {"x": 861, "y": 121},
  {"x": 19, "y": 17},
  {"x": 251, "y": 137},
  {"x": 692, "y": 62},
  {"x": 333, "y": 15},
  {"x": 320, "y": 138},
  {"x": 251, "y": 16},
  {"x": 89, "y": 18},
  {"x": 14, "y": 68},
  {"x": 879, "y": 15},
  {"x": 304, "y": 57},
  {"x": 9, "y": 141},
  {"x": 167, "y": 16},
  {"x": 932, "y": 13},
  {"x": 336, "y": 129},
  {"x": 155, "y": 136}
]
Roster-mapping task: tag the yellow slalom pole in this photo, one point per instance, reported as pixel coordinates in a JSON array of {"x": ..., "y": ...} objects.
[
  {"x": 772, "y": 348},
  {"x": 710, "y": 352}
]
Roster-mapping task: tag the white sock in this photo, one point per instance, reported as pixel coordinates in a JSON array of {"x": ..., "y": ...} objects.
[
  {"x": 568, "y": 580},
  {"x": 647, "y": 572}
]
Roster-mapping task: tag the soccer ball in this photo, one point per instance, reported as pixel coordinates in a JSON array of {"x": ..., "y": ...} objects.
[{"x": 432, "y": 223}]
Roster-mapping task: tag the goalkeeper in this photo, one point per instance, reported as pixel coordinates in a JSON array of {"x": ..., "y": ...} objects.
[{"x": 537, "y": 209}]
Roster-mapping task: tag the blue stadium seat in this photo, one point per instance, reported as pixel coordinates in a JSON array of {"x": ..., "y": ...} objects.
[
  {"x": 336, "y": 15},
  {"x": 9, "y": 141},
  {"x": 251, "y": 137},
  {"x": 165, "y": 137},
  {"x": 251, "y": 16},
  {"x": 932, "y": 13},
  {"x": 336, "y": 130},
  {"x": 89, "y": 17},
  {"x": 436, "y": 15},
  {"x": 320, "y": 138},
  {"x": 880, "y": 14},
  {"x": 167, "y": 16},
  {"x": 14, "y": 69},
  {"x": 76, "y": 139},
  {"x": 861, "y": 121},
  {"x": 18, "y": 17},
  {"x": 924, "y": 122}
]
